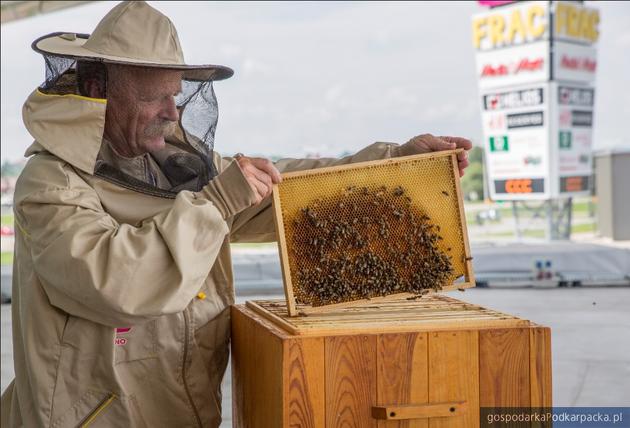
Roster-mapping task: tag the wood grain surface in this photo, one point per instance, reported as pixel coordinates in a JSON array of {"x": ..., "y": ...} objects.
[
  {"x": 454, "y": 375},
  {"x": 304, "y": 385},
  {"x": 402, "y": 374},
  {"x": 504, "y": 361},
  {"x": 350, "y": 381}
]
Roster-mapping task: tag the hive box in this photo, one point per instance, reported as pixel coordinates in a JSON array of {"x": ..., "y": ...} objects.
[{"x": 431, "y": 362}]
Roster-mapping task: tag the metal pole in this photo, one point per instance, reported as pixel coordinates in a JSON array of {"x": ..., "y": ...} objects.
[
  {"x": 549, "y": 232},
  {"x": 517, "y": 228}
]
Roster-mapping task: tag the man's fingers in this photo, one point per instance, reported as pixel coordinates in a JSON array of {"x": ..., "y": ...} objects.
[
  {"x": 265, "y": 179},
  {"x": 267, "y": 166},
  {"x": 262, "y": 188},
  {"x": 462, "y": 164},
  {"x": 437, "y": 144},
  {"x": 460, "y": 143},
  {"x": 462, "y": 156},
  {"x": 259, "y": 180}
]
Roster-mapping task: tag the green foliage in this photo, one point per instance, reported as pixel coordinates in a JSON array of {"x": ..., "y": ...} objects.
[
  {"x": 10, "y": 169},
  {"x": 472, "y": 182}
]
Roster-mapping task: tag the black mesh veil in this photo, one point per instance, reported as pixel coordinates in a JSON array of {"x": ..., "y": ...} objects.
[{"x": 188, "y": 162}]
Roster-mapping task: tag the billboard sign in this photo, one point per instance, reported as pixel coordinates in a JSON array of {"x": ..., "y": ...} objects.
[
  {"x": 516, "y": 133},
  {"x": 536, "y": 63},
  {"x": 571, "y": 138}
]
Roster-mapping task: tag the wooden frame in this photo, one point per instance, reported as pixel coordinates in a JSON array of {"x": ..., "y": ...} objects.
[{"x": 469, "y": 278}]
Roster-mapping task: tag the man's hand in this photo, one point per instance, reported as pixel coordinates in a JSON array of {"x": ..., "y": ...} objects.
[
  {"x": 261, "y": 175},
  {"x": 428, "y": 143}
]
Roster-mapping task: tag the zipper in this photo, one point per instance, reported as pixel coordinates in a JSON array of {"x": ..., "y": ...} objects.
[
  {"x": 105, "y": 402},
  {"x": 186, "y": 339}
]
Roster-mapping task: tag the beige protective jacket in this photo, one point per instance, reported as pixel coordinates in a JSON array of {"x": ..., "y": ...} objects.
[{"x": 120, "y": 296}]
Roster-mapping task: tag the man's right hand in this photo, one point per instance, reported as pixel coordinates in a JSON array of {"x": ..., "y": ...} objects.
[{"x": 261, "y": 174}]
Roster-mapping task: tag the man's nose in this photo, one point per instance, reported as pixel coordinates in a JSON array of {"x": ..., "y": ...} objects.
[{"x": 170, "y": 110}]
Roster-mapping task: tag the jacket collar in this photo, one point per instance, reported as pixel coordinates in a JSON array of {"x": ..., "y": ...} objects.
[{"x": 68, "y": 126}]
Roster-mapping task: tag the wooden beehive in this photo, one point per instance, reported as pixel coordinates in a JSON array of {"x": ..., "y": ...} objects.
[
  {"x": 395, "y": 363},
  {"x": 431, "y": 186}
]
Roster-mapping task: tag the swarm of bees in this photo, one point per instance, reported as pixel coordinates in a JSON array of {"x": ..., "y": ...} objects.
[{"x": 364, "y": 243}]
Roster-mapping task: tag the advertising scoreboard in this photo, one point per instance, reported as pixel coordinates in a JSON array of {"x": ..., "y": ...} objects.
[{"x": 536, "y": 65}]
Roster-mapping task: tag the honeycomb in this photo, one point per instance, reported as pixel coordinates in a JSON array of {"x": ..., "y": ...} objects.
[{"x": 372, "y": 229}]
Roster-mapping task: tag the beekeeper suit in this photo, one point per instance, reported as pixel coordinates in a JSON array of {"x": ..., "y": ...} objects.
[{"x": 122, "y": 279}]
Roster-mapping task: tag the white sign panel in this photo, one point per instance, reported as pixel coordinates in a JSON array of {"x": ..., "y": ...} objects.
[
  {"x": 516, "y": 134},
  {"x": 574, "y": 63},
  {"x": 512, "y": 25},
  {"x": 571, "y": 138},
  {"x": 514, "y": 66}
]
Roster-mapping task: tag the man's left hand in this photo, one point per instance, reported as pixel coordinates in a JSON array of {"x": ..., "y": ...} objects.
[{"x": 428, "y": 143}]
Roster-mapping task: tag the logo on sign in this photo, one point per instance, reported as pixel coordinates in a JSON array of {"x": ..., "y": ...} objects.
[
  {"x": 564, "y": 140},
  {"x": 515, "y": 99},
  {"x": 578, "y": 64},
  {"x": 532, "y": 160},
  {"x": 581, "y": 118},
  {"x": 520, "y": 185},
  {"x": 524, "y": 65},
  {"x": 496, "y": 121},
  {"x": 575, "y": 96},
  {"x": 499, "y": 144},
  {"x": 525, "y": 120},
  {"x": 574, "y": 184}
]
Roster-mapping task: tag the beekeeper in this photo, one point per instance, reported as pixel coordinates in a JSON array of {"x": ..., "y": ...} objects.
[{"x": 124, "y": 214}]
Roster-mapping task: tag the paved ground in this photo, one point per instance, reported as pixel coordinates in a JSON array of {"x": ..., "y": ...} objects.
[{"x": 590, "y": 340}]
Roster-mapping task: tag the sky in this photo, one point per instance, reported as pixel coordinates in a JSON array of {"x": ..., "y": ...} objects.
[{"x": 326, "y": 77}]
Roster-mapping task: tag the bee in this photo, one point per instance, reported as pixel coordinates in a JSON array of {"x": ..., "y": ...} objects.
[{"x": 444, "y": 192}]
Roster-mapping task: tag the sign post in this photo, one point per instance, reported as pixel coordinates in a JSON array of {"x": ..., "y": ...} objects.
[{"x": 536, "y": 65}]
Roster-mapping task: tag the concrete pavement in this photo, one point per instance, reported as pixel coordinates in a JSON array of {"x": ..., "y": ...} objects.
[{"x": 590, "y": 339}]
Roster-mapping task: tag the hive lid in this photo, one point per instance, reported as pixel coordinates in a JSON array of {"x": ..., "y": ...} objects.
[
  {"x": 430, "y": 187},
  {"x": 390, "y": 314}
]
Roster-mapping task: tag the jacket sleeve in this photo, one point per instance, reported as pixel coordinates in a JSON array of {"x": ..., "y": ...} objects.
[
  {"x": 93, "y": 267},
  {"x": 256, "y": 224}
]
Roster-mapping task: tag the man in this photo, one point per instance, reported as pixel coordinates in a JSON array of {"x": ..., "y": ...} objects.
[{"x": 124, "y": 216}]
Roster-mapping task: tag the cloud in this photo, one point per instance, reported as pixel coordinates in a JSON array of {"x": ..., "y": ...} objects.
[{"x": 325, "y": 76}]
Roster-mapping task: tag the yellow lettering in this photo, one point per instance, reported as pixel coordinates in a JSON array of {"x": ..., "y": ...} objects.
[
  {"x": 561, "y": 18},
  {"x": 536, "y": 27},
  {"x": 593, "y": 24},
  {"x": 584, "y": 24},
  {"x": 573, "y": 22},
  {"x": 497, "y": 25},
  {"x": 516, "y": 26},
  {"x": 479, "y": 32}
]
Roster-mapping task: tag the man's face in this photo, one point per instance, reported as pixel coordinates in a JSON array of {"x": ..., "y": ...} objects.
[{"x": 141, "y": 108}]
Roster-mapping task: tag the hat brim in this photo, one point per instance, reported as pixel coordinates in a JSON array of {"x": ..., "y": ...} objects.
[{"x": 58, "y": 44}]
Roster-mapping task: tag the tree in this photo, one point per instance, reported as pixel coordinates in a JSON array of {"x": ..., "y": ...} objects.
[{"x": 472, "y": 182}]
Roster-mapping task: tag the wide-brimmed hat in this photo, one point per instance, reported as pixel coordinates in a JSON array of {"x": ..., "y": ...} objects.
[{"x": 132, "y": 33}]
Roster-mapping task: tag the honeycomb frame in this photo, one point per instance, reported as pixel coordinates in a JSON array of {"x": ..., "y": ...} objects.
[{"x": 430, "y": 180}]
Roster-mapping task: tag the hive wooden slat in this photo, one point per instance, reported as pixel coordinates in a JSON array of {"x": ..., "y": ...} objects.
[
  {"x": 350, "y": 374},
  {"x": 453, "y": 374},
  {"x": 540, "y": 366},
  {"x": 402, "y": 374},
  {"x": 504, "y": 363},
  {"x": 438, "y": 194},
  {"x": 430, "y": 312},
  {"x": 304, "y": 388}
]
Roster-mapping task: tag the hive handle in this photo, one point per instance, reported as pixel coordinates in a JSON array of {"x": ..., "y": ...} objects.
[{"x": 418, "y": 411}]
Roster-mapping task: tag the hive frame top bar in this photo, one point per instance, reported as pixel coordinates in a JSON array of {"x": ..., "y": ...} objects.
[{"x": 327, "y": 177}]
